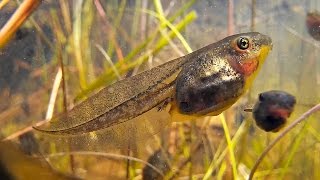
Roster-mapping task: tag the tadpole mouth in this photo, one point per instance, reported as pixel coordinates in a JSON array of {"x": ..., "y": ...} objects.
[{"x": 264, "y": 40}]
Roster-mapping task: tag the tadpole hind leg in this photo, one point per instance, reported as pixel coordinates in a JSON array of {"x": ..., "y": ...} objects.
[{"x": 162, "y": 106}]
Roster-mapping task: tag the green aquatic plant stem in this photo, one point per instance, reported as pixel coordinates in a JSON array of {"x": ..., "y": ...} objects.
[
  {"x": 166, "y": 22},
  {"x": 293, "y": 150},
  {"x": 266, "y": 173},
  {"x": 180, "y": 11},
  {"x": 77, "y": 44},
  {"x": 230, "y": 146},
  {"x": 109, "y": 61},
  {"x": 313, "y": 132},
  {"x": 163, "y": 20},
  {"x": 141, "y": 46},
  {"x": 284, "y": 132},
  {"x": 116, "y": 24},
  {"x": 87, "y": 24},
  {"x": 111, "y": 33},
  {"x": 135, "y": 20},
  {"x": 158, "y": 6},
  {"x": 109, "y": 76},
  {"x": 236, "y": 138},
  {"x": 222, "y": 171},
  {"x": 106, "y": 78}
]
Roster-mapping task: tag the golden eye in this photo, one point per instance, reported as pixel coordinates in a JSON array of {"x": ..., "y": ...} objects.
[{"x": 243, "y": 43}]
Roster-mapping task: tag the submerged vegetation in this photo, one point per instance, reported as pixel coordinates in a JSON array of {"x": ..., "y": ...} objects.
[{"x": 68, "y": 50}]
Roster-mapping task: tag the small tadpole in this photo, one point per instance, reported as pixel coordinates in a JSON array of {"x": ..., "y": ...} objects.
[
  {"x": 272, "y": 110},
  {"x": 158, "y": 159},
  {"x": 313, "y": 24}
]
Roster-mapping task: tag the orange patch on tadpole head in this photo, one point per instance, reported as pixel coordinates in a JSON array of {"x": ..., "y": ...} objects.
[
  {"x": 246, "y": 68},
  {"x": 280, "y": 112},
  {"x": 249, "y": 66}
]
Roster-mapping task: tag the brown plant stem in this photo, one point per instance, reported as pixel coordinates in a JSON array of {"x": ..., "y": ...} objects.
[{"x": 17, "y": 19}]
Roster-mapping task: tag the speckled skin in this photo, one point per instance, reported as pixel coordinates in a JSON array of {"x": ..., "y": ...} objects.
[{"x": 204, "y": 82}]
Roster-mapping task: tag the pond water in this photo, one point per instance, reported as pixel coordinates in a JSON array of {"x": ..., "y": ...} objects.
[{"x": 100, "y": 42}]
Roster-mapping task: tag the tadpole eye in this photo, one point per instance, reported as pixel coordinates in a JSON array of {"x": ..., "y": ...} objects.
[
  {"x": 261, "y": 97},
  {"x": 243, "y": 43}
]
